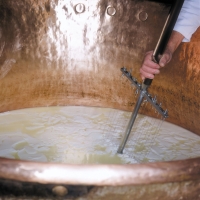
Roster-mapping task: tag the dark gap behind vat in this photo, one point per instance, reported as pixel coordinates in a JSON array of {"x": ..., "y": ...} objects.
[{"x": 164, "y": 2}]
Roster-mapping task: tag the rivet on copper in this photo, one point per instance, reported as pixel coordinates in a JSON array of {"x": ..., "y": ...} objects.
[
  {"x": 143, "y": 16},
  {"x": 80, "y": 8},
  {"x": 60, "y": 191},
  {"x": 111, "y": 11}
]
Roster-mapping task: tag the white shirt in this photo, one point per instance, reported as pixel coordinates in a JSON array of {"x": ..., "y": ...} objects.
[{"x": 189, "y": 19}]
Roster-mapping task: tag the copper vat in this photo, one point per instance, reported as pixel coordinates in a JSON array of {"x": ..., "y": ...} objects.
[{"x": 55, "y": 52}]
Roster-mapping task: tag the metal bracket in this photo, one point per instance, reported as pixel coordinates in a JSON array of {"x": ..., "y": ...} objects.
[
  {"x": 149, "y": 98},
  {"x": 143, "y": 94}
]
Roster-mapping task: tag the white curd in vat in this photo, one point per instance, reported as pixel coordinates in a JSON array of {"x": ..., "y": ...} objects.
[{"x": 76, "y": 134}]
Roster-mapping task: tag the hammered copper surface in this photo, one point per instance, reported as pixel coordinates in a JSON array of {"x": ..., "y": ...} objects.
[
  {"x": 168, "y": 191},
  {"x": 70, "y": 53}
]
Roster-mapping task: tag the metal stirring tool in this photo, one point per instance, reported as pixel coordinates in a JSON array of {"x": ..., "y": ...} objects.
[{"x": 143, "y": 88}]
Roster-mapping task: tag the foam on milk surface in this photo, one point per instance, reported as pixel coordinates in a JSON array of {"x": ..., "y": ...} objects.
[{"x": 76, "y": 134}]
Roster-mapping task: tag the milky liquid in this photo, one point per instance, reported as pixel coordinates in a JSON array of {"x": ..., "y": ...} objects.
[{"x": 76, "y": 134}]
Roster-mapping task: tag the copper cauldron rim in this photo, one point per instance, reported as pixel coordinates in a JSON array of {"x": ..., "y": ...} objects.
[{"x": 100, "y": 175}]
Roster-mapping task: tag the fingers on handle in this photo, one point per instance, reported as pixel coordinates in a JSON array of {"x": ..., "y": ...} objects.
[
  {"x": 145, "y": 74},
  {"x": 166, "y": 57}
]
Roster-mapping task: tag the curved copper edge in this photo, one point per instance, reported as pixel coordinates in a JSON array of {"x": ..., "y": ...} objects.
[{"x": 100, "y": 175}]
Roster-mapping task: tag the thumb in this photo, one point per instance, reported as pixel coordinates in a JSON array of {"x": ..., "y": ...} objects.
[{"x": 166, "y": 57}]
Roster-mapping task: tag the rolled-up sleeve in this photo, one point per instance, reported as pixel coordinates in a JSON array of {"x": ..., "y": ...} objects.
[{"x": 189, "y": 19}]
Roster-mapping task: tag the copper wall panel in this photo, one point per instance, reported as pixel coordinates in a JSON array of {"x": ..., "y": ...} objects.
[
  {"x": 71, "y": 52},
  {"x": 179, "y": 84}
]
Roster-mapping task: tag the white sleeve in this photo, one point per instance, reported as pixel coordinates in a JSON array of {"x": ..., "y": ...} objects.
[{"x": 189, "y": 19}]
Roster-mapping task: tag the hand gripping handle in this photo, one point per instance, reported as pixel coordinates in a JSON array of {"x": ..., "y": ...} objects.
[{"x": 166, "y": 33}]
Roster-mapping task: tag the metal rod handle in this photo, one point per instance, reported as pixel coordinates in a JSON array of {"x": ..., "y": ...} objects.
[
  {"x": 166, "y": 33},
  {"x": 131, "y": 122}
]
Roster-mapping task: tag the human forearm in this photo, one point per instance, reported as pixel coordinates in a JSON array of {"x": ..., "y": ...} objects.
[{"x": 174, "y": 41}]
